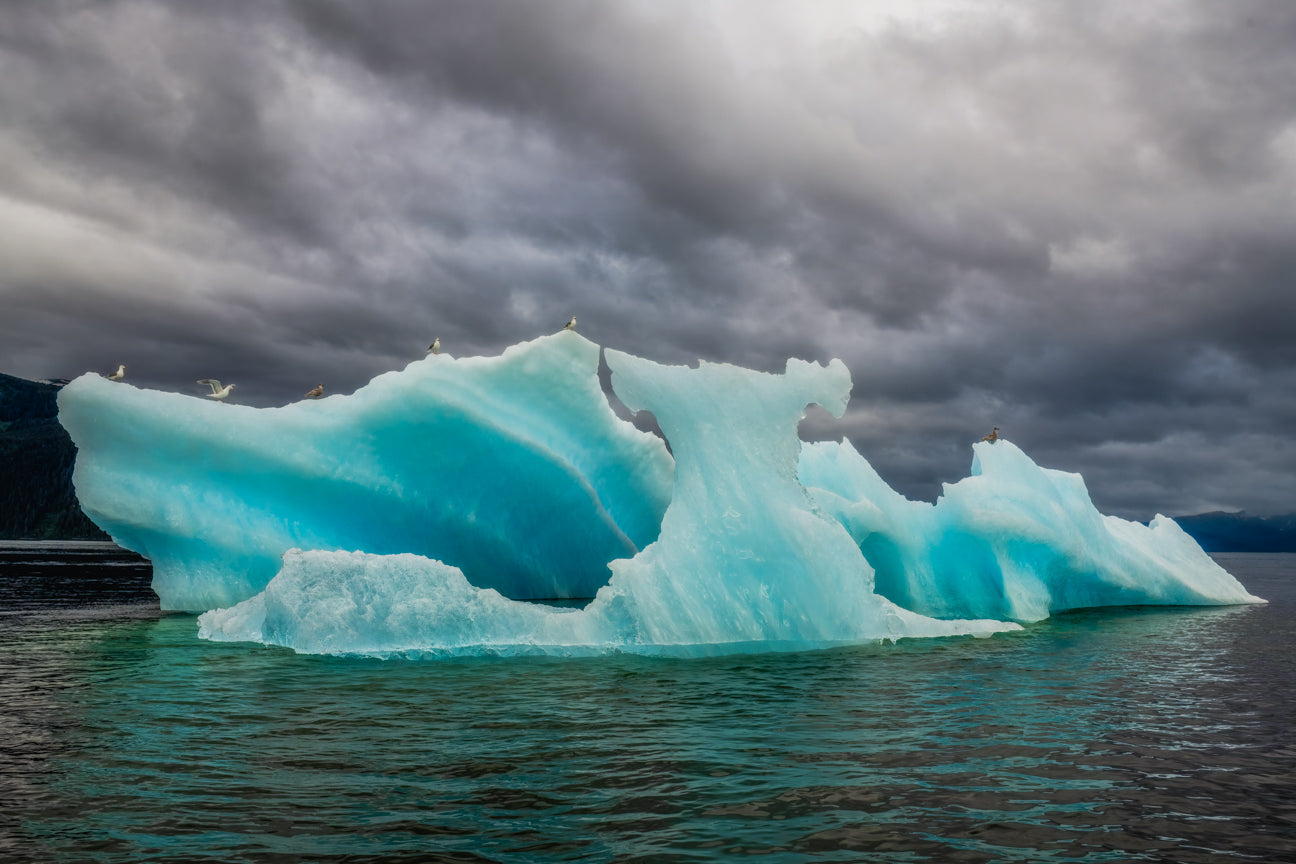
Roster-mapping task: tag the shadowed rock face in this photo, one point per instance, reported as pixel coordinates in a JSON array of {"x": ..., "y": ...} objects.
[{"x": 36, "y": 458}]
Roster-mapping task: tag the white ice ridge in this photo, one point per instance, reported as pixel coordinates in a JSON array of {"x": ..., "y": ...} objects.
[{"x": 502, "y": 479}]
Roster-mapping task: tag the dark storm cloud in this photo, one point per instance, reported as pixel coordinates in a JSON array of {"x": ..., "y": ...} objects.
[
  {"x": 159, "y": 97},
  {"x": 1069, "y": 220}
]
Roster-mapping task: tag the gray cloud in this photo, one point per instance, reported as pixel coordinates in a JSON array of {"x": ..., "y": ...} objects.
[{"x": 1070, "y": 221}]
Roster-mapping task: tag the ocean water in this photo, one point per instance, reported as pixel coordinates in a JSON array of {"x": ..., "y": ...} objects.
[{"x": 1132, "y": 734}]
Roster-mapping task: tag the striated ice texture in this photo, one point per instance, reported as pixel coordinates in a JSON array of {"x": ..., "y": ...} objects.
[
  {"x": 420, "y": 514},
  {"x": 1012, "y": 541},
  {"x": 512, "y": 468},
  {"x": 744, "y": 562}
]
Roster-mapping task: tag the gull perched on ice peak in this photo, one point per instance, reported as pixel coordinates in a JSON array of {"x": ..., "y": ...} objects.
[
  {"x": 993, "y": 436},
  {"x": 570, "y": 325},
  {"x": 218, "y": 392},
  {"x": 119, "y": 374},
  {"x": 316, "y": 393},
  {"x": 435, "y": 347}
]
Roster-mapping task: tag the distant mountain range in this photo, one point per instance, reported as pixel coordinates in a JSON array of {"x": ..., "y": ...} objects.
[
  {"x": 1238, "y": 532},
  {"x": 37, "y": 501}
]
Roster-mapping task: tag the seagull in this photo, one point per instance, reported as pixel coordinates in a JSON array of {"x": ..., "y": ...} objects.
[
  {"x": 119, "y": 374},
  {"x": 218, "y": 392},
  {"x": 316, "y": 393},
  {"x": 435, "y": 347},
  {"x": 993, "y": 436},
  {"x": 570, "y": 325}
]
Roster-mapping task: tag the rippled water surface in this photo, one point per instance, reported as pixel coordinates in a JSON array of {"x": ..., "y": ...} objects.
[{"x": 1113, "y": 735}]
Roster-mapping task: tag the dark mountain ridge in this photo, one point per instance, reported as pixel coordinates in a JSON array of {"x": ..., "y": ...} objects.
[{"x": 1238, "y": 532}]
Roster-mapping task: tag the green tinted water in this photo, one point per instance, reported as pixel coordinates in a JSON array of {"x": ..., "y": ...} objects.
[{"x": 1152, "y": 734}]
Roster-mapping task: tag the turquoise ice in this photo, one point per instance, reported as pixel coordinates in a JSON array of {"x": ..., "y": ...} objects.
[
  {"x": 513, "y": 468},
  {"x": 744, "y": 560},
  {"x": 1013, "y": 541},
  {"x": 421, "y": 515}
]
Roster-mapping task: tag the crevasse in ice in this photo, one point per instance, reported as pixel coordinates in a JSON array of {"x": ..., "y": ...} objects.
[{"x": 501, "y": 479}]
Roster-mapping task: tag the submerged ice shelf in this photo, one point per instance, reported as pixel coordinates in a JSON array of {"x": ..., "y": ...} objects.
[{"x": 421, "y": 513}]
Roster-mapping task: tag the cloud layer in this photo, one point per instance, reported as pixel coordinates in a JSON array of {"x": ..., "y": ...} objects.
[{"x": 1070, "y": 221}]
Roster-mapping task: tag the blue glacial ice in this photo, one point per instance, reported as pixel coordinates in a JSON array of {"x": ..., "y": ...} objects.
[
  {"x": 422, "y": 513},
  {"x": 513, "y": 468},
  {"x": 1012, "y": 541}
]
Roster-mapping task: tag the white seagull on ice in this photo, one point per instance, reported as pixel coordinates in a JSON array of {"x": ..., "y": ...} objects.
[{"x": 218, "y": 392}]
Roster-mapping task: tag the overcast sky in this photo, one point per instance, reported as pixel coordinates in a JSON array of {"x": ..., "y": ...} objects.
[{"x": 1075, "y": 221}]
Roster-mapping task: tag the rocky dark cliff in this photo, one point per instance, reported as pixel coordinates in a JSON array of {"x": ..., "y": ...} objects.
[{"x": 37, "y": 501}]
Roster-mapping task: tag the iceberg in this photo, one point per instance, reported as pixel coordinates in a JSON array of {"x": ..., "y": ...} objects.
[
  {"x": 743, "y": 561},
  {"x": 1013, "y": 541},
  {"x": 514, "y": 469},
  {"x": 424, "y": 514}
]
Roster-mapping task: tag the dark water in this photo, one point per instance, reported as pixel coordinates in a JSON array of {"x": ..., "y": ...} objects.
[{"x": 1115, "y": 735}]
